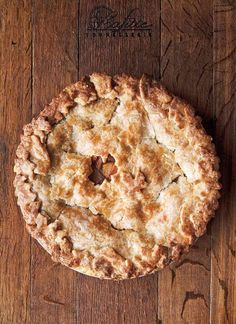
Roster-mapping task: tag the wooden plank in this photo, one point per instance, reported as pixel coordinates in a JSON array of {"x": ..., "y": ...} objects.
[
  {"x": 186, "y": 69},
  {"x": 55, "y": 66},
  {"x": 223, "y": 288},
  {"x": 15, "y": 108},
  {"x": 132, "y": 301}
]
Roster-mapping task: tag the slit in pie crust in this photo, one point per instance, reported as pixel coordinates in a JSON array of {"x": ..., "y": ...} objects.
[{"x": 116, "y": 177}]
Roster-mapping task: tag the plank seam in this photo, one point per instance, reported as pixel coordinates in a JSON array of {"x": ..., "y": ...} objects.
[
  {"x": 31, "y": 114},
  {"x": 159, "y": 320}
]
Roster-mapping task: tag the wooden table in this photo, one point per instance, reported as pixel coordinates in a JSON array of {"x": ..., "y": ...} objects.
[{"x": 191, "y": 47}]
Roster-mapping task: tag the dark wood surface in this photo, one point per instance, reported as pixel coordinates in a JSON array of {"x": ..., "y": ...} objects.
[{"x": 45, "y": 45}]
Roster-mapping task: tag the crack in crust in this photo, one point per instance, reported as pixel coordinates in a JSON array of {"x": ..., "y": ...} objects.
[{"x": 160, "y": 191}]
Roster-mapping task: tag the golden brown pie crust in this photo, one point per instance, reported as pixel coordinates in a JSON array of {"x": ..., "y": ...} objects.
[{"x": 116, "y": 177}]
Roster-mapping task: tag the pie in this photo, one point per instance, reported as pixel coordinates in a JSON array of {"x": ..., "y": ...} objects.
[{"x": 116, "y": 177}]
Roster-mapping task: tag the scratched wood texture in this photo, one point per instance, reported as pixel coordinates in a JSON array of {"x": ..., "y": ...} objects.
[{"x": 44, "y": 46}]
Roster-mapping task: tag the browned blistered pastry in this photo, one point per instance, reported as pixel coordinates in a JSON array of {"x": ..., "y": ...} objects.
[{"x": 116, "y": 177}]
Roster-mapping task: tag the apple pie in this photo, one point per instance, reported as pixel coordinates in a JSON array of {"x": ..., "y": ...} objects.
[{"x": 116, "y": 177}]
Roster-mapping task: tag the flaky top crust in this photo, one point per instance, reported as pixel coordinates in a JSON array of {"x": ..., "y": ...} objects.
[{"x": 158, "y": 186}]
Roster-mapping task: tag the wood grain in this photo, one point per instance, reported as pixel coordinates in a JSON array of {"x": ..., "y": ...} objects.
[
  {"x": 45, "y": 45},
  {"x": 128, "y": 301},
  {"x": 114, "y": 54},
  {"x": 223, "y": 307},
  {"x": 55, "y": 64},
  {"x": 186, "y": 69},
  {"x": 15, "y": 103}
]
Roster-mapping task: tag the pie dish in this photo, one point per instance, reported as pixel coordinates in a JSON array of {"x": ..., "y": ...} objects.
[{"x": 116, "y": 177}]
